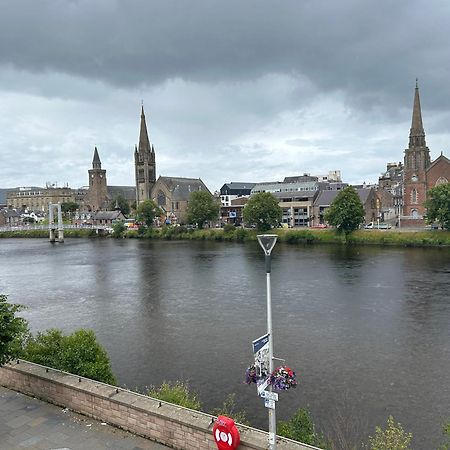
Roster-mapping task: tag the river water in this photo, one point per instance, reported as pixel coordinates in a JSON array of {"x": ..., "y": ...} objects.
[{"x": 367, "y": 329}]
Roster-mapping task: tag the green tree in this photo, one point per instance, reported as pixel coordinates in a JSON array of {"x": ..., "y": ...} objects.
[
  {"x": 346, "y": 212},
  {"x": 177, "y": 393},
  {"x": 262, "y": 210},
  {"x": 68, "y": 208},
  {"x": 120, "y": 200},
  {"x": 78, "y": 353},
  {"x": 119, "y": 229},
  {"x": 438, "y": 205},
  {"x": 301, "y": 428},
  {"x": 12, "y": 330},
  {"x": 202, "y": 207},
  {"x": 393, "y": 437},
  {"x": 147, "y": 211}
]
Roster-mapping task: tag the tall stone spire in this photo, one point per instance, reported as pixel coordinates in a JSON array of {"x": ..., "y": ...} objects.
[
  {"x": 144, "y": 142},
  {"x": 144, "y": 163},
  {"x": 96, "y": 163},
  {"x": 417, "y": 133},
  {"x": 417, "y": 160}
]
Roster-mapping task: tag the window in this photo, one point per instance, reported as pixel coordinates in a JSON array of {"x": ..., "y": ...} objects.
[
  {"x": 414, "y": 196},
  {"x": 161, "y": 198}
]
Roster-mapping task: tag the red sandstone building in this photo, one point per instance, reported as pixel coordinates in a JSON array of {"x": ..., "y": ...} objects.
[{"x": 420, "y": 173}]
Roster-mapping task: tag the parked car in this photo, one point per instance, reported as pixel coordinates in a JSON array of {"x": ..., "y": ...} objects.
[{"x": 377, "y": 226}]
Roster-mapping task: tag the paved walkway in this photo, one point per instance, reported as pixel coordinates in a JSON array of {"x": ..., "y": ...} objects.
[{"x": 28, "y": 423}]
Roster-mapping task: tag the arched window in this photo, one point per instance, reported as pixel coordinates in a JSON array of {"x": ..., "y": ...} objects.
[
  {"x": 441, "y": 180},
  {"x": 414, "y": 214},
  {"x": 161, "y": 198},
  {"x": 414, "y": 196}
]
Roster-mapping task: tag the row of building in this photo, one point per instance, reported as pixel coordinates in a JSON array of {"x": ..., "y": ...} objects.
[{"x": 399, "y": 195}]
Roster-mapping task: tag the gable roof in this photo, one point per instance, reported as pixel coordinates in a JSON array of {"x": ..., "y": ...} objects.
[
  {"x": 441, "y": 157},
  {"x": 325, "y": 198},
  {"x": 181, "y": 188},
  {"x": 128, "y": 192},
  {"x": 108, "y": 215}
]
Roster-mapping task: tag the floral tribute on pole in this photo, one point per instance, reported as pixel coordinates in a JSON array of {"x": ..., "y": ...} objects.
[{"x": 283, "y": 378}]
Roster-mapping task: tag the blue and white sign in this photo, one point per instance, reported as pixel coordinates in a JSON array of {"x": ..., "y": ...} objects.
[{"x": 261, "y": 354}]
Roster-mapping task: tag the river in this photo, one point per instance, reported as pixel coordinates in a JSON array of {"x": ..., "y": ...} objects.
[{"x": 367, "y": 329}]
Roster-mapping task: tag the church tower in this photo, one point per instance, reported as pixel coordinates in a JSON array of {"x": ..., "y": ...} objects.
[
  {"x": 144, "y": 163},
  {"x": 416, "y": 163},
  {"x": 97, "y": 197}
]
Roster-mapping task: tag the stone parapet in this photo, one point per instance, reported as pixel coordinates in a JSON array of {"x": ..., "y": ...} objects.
[{"x": 169, "y": 424}]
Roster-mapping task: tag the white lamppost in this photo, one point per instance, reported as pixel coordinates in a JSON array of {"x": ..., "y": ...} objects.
[{"x": 267, "y": 242}]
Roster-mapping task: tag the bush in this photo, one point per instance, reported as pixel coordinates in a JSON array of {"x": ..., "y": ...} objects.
[
  {"x": 228, "y": 227},
  {"x": 13, "y": 330},
  {"x": 228, "y": 409},
  {"x": 177, "y": 393},
  {"x": 301, "y": 428},
  {"x": 119, "y": 229},
  {"x": 392, "y": 438},
  {"x": 78, "y": 353}
]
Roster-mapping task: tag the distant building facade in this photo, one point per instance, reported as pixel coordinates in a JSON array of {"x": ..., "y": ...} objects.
[
  {"x": 233, "y": 190},
  {"x": 38, "y": 199}
]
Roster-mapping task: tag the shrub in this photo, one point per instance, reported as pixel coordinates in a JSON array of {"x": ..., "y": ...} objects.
[
  {"x": 392, "y": 438},
  {"x": 228, "y": 409},
  {"x": 13, "y": 330},
  {"x": 177, "y": 393},
  {"x": 228, "y": 227},
  {"x": 78, "y": 353},
  {"x": 301, "y": 428}
]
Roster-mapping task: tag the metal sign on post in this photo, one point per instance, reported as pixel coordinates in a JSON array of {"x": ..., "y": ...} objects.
[
  {"x": 262, "y": 364},
  {"x": 269, "y": 403},
  {"x": 269, "y": 395}
]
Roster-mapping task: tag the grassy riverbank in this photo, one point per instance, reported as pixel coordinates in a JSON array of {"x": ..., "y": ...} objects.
[
  {"x": 306, "y": 236},
  {"x": 73, "y": 233},
  {"x": 433, "y": 238}
]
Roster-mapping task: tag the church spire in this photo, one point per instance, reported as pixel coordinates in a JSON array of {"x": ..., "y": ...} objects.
[
  {"x": 417, "y": 133},
  {"x": 144, "y": 142},
  {"x": 96, "y": 163}
]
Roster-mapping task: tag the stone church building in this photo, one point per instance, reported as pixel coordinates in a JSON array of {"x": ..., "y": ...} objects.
[
  {"x": 171, "y": 194},
  {"x": 420, "y": 173}
]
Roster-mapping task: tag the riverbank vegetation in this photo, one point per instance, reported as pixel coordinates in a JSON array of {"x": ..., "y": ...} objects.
[
  {"x": 426, "y": 238},
  {"x": 304, "y": 236},
  {"x": 68, "y": 233}
]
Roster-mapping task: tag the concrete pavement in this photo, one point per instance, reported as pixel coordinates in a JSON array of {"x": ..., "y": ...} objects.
[{"x": 28, "y": 423}]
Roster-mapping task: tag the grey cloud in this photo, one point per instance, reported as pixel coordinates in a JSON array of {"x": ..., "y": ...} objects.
[{"x": 355, "y": 46}]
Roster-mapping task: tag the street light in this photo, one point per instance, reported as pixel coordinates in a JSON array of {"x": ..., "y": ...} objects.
[{"x": 267, "y": 243}]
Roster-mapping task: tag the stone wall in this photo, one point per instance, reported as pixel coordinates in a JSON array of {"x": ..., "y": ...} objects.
[{"x": 172, "y": 425}]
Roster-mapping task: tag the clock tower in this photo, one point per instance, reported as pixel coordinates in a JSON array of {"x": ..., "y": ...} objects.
[
  {"x": 416, "y": 163},
  {"x": 97, "y": 198}
]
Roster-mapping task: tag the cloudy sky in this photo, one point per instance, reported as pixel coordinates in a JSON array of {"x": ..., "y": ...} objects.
[{"x": 236, "y": 90}]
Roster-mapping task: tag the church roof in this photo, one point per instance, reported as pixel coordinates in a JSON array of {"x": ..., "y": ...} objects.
[
  {"x": 108, "y": 215},
  {"x": 128, "y": 192},
  {"x": 181, "y": 188},
  {"x": 441, "y": 157}
]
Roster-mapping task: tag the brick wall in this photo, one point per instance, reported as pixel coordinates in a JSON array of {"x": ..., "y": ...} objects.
[{"x": 175, "y": 426}]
